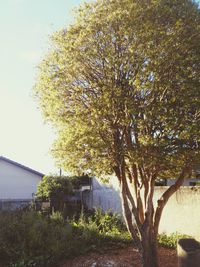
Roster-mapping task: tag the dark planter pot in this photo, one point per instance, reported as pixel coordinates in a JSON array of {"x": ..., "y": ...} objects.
[{"x": 188, "y": 250}]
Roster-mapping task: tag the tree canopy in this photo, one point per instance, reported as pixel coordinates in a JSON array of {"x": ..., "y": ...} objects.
[
  {"x": 54, "y": 187},
  {"x": 60, "y": 186},
  {"x": 122, "y": 87},
  {"x": 135, "y": 68}
]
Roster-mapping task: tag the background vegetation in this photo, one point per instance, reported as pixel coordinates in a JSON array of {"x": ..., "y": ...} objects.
[{"x": 30, "y": 239}]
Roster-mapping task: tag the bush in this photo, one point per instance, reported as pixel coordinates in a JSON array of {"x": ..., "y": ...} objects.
[
  {"x": 53, "y": 186},
  {"x": 108, "y": 222},
  {"x": 30, "y": 239},
  {"x": 170, "y": 241},
  {"x": 57, "y": 217},
  {"x": 100, "y": 230}
]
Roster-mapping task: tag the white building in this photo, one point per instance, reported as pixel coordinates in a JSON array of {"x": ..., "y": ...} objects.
[{"x": 18, "y": 183}]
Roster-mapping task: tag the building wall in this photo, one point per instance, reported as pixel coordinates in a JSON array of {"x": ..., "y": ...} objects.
[
  {"x": 16, "y": 183},
  {"x": 105, "y": 196},
  {"x": 14, "y": 204},
  {"x": 181, "y": 214}
]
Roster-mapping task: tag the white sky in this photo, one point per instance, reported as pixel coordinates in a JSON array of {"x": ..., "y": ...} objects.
[{"x": 24, "y": 29}]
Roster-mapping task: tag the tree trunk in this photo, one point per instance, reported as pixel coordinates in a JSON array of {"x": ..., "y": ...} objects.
[{"x": 149, "y": 251}]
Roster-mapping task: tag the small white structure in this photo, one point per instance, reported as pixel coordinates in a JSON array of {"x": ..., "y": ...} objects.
[{"x": 18, "y": 183}]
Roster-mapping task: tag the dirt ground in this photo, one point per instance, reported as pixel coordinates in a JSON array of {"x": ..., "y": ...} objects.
[{"x": 126, "y": 257}]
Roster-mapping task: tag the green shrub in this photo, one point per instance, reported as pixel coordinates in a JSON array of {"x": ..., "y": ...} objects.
[
  {"x": 101, "y": 230},
  {"x": 107, "y": 222},
  {"x": 53, "y": 186},
  {"x": 57, "y": 217},
  {"x": 29, "y": 239},
  {"x": 170, "y": 241}
]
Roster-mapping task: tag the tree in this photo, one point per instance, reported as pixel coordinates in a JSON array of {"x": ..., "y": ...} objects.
[
  {"x": 54, "y": 187},
  {"x": 121, "y": 86}
]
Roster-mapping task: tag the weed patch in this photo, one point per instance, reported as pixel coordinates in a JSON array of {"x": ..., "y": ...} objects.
[
  {"x": 170, "y": 241},
  {"x": 30, "y": 239}
]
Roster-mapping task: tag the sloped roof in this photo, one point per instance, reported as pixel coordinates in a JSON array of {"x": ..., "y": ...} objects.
[{"x": 21, "y": 166}]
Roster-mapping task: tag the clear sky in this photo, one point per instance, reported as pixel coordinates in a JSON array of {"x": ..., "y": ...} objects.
[{"x": 25, "y": 26}]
